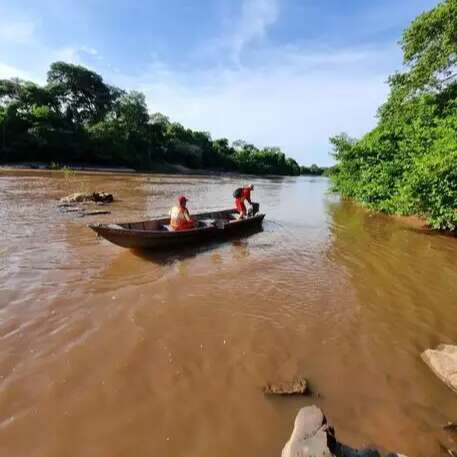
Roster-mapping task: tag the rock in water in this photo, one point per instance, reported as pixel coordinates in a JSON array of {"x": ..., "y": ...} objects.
[
  {"x": 103, "y": 197},
  {"x": 95, "y": 213},
  {"x": 309, "y": 436},
  {"x": 297, "y": 387},
  {"x": 88, "y": 197},
  {"x": 313, "y": 437},
  {"x": 450, "y": 427},
  {"x": 443, "y": 362}
]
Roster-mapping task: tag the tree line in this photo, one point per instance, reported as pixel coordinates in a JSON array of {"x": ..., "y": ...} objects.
[
  {"x": 315, "y": 170},
  {"x": 408, "y": 163},
  {"x": 76, "y": 117}
]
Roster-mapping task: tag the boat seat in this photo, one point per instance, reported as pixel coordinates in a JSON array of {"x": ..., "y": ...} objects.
[
  {"x": 201, "y": 224},
  {"x": 115, "y": 226},
  {"x": 206, "y": 222}
]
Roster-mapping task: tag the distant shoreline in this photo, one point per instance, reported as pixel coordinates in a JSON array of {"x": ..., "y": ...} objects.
[
  {"x": 159, "y": 169},
  {"x": 42, "y": 166}
]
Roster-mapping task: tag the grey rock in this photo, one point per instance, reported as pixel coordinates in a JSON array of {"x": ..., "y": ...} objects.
[
  {"x": 309, "y": 436},
  {"x": 313, "y": 437},
  {"x": 443, "y": 362}
]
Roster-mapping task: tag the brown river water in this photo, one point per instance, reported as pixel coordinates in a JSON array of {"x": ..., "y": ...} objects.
[{"x": 107, "y": 352}]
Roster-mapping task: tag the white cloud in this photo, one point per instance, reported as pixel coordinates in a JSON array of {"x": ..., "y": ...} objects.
[
  {"x": 25, "y": 53},
  {"x": 245, "y": 28},
  {"x": 256, "y": 17},
  {"x": 68, "y": 54},
  {"x": 9, "y": 71},
  {"x": 17, "y": 31},
  {"x": 295, "y": 100},
  {"x": 88, "y": 50}
]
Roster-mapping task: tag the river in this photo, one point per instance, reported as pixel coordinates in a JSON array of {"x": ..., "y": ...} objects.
[{"x": 104, "y": 352}]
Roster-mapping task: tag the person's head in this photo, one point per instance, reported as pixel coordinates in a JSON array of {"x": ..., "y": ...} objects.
[
  {"x": 250, "y": 186},
  {"x": 182, "y": 201}
]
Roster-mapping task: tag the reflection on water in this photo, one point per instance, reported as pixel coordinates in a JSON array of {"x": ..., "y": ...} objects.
[
  {"x": 240, "y": 249},
  {"x": 113, "y": 352},
  {"x": 174, "y": 254}
]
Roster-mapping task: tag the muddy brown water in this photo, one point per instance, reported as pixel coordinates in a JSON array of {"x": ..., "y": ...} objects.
[{"x": 104, "y": 352}]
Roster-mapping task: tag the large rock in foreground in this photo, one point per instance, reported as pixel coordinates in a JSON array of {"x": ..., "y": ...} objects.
[
  {"x": 443, "y": 362},
  {"x": 309, "y": 436},
  {"x": 313, "y": 437}
]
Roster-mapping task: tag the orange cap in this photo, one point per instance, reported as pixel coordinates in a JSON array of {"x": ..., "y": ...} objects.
[{"x": 182, "y": 200}]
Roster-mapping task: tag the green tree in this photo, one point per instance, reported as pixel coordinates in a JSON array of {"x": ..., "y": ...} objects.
[
  {"x": 406, "y": 163},
  {"x": 430, "y": 47},
  {"x": 83, "y": 96}
]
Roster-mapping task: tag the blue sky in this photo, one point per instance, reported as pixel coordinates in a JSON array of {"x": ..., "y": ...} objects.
[{"x": 286, "y": 73}]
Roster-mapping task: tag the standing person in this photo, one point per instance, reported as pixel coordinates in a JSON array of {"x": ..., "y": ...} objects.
[
  {"x": 241, "y": 195},
  {"x": 179, "y": 216}
]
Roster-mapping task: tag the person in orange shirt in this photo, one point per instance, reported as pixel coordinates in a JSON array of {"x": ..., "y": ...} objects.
[
  {"x": 179, "y": 216},
  {"x": 242, "y": 195}
]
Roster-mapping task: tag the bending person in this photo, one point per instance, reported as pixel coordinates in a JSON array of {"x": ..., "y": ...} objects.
[
  {"x": 179, "y": 216},
  {"x": 242, "y": 195}
]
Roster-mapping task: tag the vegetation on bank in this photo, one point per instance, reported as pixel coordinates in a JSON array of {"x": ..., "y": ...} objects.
[
  {"x": 314, "y": 170},
  {"x": 78, "y": 117},
  {"x": 408, "y": 163}
]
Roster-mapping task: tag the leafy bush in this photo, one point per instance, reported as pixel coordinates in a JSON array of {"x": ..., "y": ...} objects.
[{"x": 408, "y": 163}]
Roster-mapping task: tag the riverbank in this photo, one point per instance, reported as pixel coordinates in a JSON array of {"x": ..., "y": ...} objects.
[
  {"x": 163, "y": 168},
  {"x": 86, "y": 167},
  {"x": 172, "y": 169}
]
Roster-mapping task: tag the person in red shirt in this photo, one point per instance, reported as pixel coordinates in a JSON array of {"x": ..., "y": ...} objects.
[
  {"x": 245, "y": 195},
  {"x": 179, "y": 216}
]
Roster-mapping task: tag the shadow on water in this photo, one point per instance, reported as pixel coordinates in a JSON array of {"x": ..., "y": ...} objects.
[
  {"x": 178, "y": 253},
  {"x": 378, "y": 226}
]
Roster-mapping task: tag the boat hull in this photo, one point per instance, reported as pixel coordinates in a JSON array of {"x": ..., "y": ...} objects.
[{"x": 142, "y": 235}]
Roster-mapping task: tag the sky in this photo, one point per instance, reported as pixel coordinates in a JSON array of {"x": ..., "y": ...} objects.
[{"x": 287, "y": 73}]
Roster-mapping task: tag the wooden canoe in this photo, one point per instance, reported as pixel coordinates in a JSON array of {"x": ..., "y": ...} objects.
[{"x": 156, "y": 233}]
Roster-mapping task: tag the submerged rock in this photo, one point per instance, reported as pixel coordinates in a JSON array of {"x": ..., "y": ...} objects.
[
  {"x": 95, "y": 212},
  {"x": 450, "y": 444},
  {"x": 450, "y": 427},
  {"x": 443, "y": 362},
  {"x": 81, "y": 212},
  {"x": 80, "y": 197},
  {"x": 313, "y": 437},
  {"x": 297, "y": 387}
]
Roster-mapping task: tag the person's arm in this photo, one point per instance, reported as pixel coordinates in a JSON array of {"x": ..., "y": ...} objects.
[
  {"x": 187, "y": 215},
  {"x": 248, "y": 197}
]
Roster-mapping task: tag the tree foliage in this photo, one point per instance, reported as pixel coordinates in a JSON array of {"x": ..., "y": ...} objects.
[
  {"x": 78, "y": 117},
  {"x": 408, "y": 163},
  {"x": 314, "y": 170}
]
